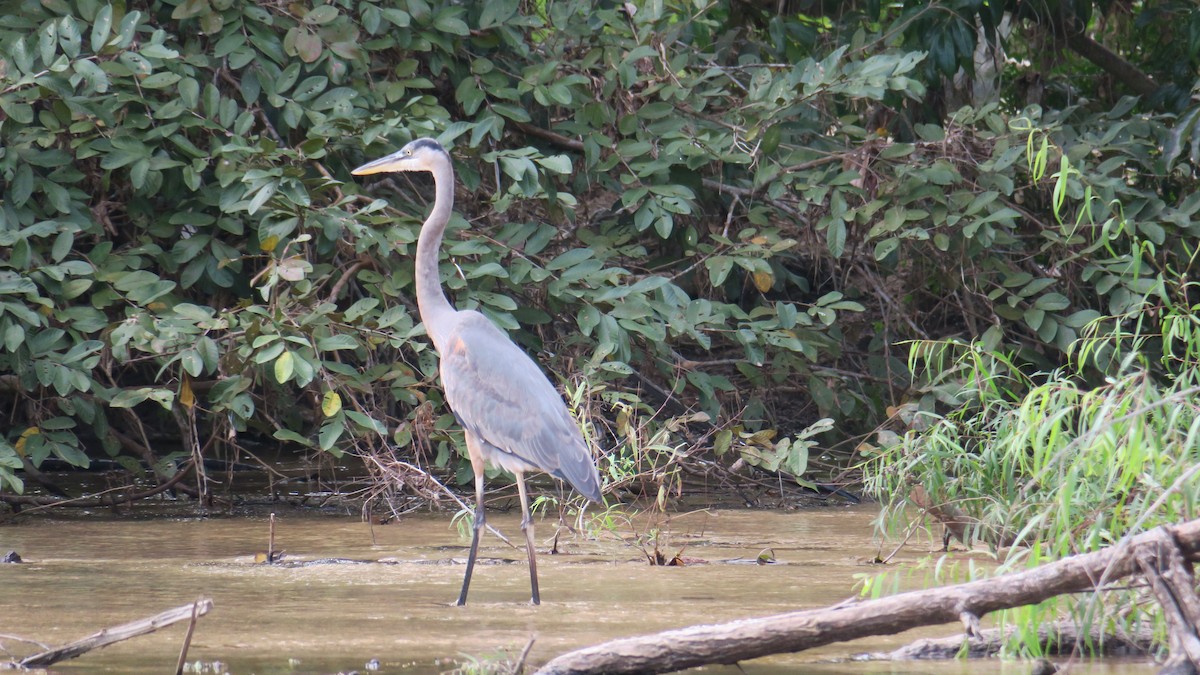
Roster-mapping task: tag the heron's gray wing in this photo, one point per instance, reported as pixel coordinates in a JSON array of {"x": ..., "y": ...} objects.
[{"x": 498, "y": 392}]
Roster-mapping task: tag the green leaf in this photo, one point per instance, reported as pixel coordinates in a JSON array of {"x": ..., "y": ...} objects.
[
  {"x": 397, "y": 17},
  {"x": 264, "y": 193},
  {"x": 69, "y": 37},
  {"x": 14, "y": 337},
  {"x": 570, "y": 259},
  {"x": 836, "y": 237},
  {"x": 22, "y": 57},
  {"x": 490, "y": 269},
  {"x": 447, "y": 22},
  {"x": 719, "y": 267},
  {"x": 359, "y": 309},
  {"x": 1052, "y": 302},
  {"x": 330, "y": 432},
  {"x": 48, "y": 41},
  {"x": 556, "y": 163},
  {"x": 512, "y": 112},
  {"x": 158, "y": 51},
  {"x": 160, "y": 80},
  {"x": 22, "y": 113},
  {"x": 884, "y": 248},
  {"x": 1034, "y": 318},
  {"x": 206, "y": 347},
  {"x": 309, "y": 87},
  {"x": 321, "y": 14},
  {"x": 289, "y": 436},
  {"x": 366, "y": 422},
  {"x": 101, "y": 27},
  {"x": 22, "y": 184},
  {"x": 127, "y": 29},
  {"x": 189, "y": 92},
  {"x": 335, "y": 342},
  {"x": 192, "y": 362},
  {"x": 128, "y": 398}
]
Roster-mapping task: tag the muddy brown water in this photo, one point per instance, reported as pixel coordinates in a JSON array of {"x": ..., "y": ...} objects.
[{"x": 83, "y": 573}]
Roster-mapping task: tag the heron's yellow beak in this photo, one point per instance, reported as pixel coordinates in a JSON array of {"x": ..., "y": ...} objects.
[{"x": 393, "y": 162}]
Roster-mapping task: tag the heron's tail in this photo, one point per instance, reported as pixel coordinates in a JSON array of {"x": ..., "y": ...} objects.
[{"x": 579, "y": 469}]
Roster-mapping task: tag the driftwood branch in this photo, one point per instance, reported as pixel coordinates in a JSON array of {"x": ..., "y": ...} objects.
[
  {"x": 109, "y": 636},
  {"x": 797, "y": 631},
  {"x": 1174, "y": 586}
]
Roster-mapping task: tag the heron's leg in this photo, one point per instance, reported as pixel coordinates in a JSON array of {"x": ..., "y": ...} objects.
[
  {"x": 477, "y": 466},
  {"x": 527, "y": 527}
]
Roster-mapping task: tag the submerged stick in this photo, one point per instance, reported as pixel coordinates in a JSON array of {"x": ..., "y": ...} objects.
[{"x": 120, "y": 633}]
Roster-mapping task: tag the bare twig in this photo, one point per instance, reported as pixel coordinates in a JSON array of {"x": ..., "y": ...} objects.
[
  {"x": 187, "y": 638},
  {"x": 520, "y": 665}
]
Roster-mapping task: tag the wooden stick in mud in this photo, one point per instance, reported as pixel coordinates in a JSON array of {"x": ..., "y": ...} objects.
[
  {"x": 109, "y": 636},
  {"x": 187, "y": 638},
  {"x": 797, "y": 631}
]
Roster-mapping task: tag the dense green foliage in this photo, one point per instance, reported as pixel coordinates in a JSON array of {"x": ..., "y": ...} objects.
[
  {"x": 1044, "y": 459},
  {"x": 681, "y": 209}
]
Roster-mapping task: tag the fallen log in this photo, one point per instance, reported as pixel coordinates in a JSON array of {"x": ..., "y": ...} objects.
[
  {"x": 736, "y": 641},
  {"x": 109, "y": 636}
]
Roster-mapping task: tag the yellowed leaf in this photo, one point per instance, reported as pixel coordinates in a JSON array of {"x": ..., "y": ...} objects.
[
  {"x": 763, "y": 281},
  {"x": 764, "y": 438},
  {"x": 331, "y": 403},
  {"x": 284, "y": 367},
  {"x": 186, "y": 396},
  {"x": 20, "y": 444}
]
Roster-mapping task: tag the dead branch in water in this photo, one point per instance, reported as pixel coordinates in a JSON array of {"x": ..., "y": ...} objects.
[
  {"x": 115, "y": 634},
  {"x": 797, "y": 631}
]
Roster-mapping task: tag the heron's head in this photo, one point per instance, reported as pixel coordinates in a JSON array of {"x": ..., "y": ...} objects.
[{"x": 422, "y": 154}]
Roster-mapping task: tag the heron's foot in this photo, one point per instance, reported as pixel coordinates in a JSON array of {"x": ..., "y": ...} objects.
[{"x": 535, "y": 601}]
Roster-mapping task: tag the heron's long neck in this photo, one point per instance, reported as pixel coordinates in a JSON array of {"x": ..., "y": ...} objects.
[{"x": 435, "y": 310}]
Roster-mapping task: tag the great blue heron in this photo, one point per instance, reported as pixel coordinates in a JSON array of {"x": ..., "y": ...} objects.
[{"x": 511, "y": 415}]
